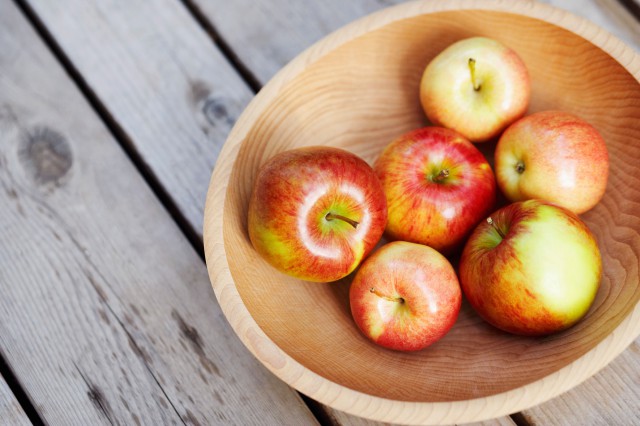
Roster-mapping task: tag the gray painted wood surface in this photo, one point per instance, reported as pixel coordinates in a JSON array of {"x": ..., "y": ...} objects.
[
  {"x": 107, "y": 314},
  {"x": 133, "y": 332},
  {"x": 161, "y": 78},
  {"x": 266, "y": 35},
  {"x": 11, "y": 412}
]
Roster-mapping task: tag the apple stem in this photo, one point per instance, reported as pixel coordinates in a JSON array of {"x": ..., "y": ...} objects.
[
  {"x": 472, "y": 70},
  {"x": 520, "y": 167},
  {"x": 493, "y": 224},
  {"x": 444, "y": 173},
  {"x": 384, "y": 296},
  {"x": 331, "y": 216}
]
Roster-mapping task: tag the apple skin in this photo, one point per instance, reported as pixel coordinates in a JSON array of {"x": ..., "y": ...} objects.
[
  {"x": 425, "y": 209},
  {"x": 449, "y": 98},
  {"x": 541, "y": 278},
  {"x": 292, "y": 196},
  {"x": 553, "y": 155},
  {"x": 416, "y": 298}
]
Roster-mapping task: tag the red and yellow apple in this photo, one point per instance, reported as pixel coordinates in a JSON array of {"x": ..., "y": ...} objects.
[
  {"x": 476, "y": 86},
  {"x": 316, "y": 212},
  {"x": 553, "y": 155},
  {"x": 438, "y": 187},
  {"x": 532, "y": 268},
  {"x": 405, "y": 296}
]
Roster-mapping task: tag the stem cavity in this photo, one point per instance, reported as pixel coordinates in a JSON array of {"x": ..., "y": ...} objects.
[
  {"x": 444, "y": 173},
  {"x": 331, "y": 216},
  {"x": 493, "y": 224},
  {"x": 472, "y": 71},
  {"x": 384, "y": 296}
]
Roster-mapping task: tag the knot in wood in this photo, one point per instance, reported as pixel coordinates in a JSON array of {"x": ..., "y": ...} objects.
[{"x": 46, "y": 155}]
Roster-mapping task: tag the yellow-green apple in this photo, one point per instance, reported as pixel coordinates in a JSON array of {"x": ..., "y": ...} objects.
[
  {"x": 476, "y": 86},
  {"x": 553, "y": 155},
  {"x": 405, "y": 296},
  {"x": 532, "y": 268},
  {"x": 438, "y": 187},
  {"x": 316, "y": 212}
]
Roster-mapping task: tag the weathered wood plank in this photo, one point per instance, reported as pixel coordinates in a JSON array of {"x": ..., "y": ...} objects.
[
  {"x": 611, "y": 397},
  {"x": 106, "y": 314},
  {"x": 43, "y": 270},
  {"x": 274, "y": 31},
  {"x": 98, "y": 56},
  {"x": 11, "y": 413},
  {"x": 163, "y": 81}
]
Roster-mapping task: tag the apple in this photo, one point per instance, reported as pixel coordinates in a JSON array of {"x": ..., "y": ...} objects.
[
  {"x": 316, "y": 212},
  {"x": 405, "y": 296},
  {"x": 532, "y": 268},
  {"x": 553, "y": 155},
  {"x": 476, "y": 86},
  {"x": 438, "y": 187}
]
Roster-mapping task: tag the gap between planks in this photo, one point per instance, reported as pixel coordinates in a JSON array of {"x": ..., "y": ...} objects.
[
  {"x": 146, "y": 352},
  {"x": 18, "y": 392},
  {"x": 633, "y": 6},
  {"x": 227, "y": 51},
  {"x": 116, "y": 131},
  {"x": 124, "y": 140},
  {"x": 323, "y": 416}
]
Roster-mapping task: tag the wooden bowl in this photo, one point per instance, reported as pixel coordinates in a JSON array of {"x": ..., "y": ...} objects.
[{"x": 358, "y": 89}]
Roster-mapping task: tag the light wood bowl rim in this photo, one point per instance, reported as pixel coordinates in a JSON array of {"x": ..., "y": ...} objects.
[{"x": 337, "y": 396}]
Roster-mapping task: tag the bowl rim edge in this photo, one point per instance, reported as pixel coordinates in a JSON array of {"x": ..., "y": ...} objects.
[{"x": 335, "y": 395}]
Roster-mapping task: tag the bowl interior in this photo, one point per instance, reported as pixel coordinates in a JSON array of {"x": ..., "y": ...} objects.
[{"x": 362, "y": 95}]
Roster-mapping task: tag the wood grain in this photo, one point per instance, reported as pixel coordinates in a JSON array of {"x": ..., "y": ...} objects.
[
  {"x": 160, "y": 160},
  {"x": 279, "y": 30},
  {"x": 610, "y": 397},
  {"x": 106, "y": 314},
  {"x": 608, "y": 14},
  {"x": 161, "y": 78},
  {"x": 337, "y": 417},
  {"x": 275, "y": 31},
  {"x": 11, "y": 413},
  {"x": 296, "y": 109}
]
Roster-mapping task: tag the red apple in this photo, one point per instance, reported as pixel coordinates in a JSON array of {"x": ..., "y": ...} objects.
[
  {"x": 533, "y": 268},
  {"x": 405, "y": 296},
  {"x": 438, "y": 187},
  {"x": 476, "y": 86},
  {"x": 555, "y": 156},
  {"x": 316, "y": 212}
]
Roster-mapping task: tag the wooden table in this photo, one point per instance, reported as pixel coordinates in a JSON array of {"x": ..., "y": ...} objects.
[{"x": 111, "y": 117}]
